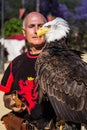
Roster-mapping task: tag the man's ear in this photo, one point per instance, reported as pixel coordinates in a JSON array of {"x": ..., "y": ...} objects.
[{"x": 23, "y": 30}]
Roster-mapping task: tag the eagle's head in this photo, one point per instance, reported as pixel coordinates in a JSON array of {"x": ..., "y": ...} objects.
[{"x": 54, "y": 30}]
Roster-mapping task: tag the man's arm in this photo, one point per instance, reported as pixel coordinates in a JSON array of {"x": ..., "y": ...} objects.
[
  {"x": 12, "y": 102},
  {"x": 8, "y": 101}
]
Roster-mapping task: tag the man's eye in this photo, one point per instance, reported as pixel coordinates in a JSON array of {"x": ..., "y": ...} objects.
[
  {"x": 31, "y": 26},
  {"x": 40, "y": 25}
]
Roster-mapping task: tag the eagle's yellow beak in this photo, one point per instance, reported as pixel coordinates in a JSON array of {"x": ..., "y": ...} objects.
[{"x": 42, "y": 31}]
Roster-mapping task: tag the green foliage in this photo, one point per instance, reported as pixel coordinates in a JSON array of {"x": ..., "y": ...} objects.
[{"x": 13, "y": 26}]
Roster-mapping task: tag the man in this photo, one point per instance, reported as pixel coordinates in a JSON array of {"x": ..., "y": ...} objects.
[{"x": 20, "y": 76}]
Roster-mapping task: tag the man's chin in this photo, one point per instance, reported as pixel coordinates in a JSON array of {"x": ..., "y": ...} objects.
[{"x": 39, "y": 45}]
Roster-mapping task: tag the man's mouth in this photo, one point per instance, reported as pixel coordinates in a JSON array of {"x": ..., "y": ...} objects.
[{"x": 36, "y": 37}]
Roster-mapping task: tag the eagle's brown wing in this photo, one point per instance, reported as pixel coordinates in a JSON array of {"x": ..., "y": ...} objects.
[{"x": 64, "y": 79}]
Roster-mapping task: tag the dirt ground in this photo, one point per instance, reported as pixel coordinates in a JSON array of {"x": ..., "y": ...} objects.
[{"x": 3, "y": 110}]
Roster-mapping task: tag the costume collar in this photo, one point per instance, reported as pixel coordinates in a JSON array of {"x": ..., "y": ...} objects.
[{"x": 31, "y": 55}]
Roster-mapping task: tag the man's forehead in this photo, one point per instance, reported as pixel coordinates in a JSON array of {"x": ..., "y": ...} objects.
[
  {"x": 35, "y": 20},
  {"x": 34, "y": 23}
]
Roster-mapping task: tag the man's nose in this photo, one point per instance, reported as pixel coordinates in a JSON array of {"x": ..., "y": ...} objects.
[{"x": 36, "y": 29}]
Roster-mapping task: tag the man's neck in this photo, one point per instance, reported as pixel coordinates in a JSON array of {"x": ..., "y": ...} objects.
[{"x": 35, "y": 50}]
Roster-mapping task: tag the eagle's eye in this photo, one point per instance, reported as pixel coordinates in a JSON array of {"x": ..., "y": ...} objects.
[{"x": 48, "y": 26}]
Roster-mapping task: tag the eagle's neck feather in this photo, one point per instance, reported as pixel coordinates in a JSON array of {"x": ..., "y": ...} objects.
[
  {"x": 56, "y": 47},
  {"x": 57, "y": 44}
]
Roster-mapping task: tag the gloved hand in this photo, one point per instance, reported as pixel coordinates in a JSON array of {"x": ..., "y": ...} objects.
[{"x": 11, "y": 101}]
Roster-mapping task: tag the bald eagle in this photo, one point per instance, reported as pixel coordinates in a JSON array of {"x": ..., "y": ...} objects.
[{"x": 62, "y": 74}]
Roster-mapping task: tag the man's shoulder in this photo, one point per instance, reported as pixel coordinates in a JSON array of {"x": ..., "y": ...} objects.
[
  {"x": 20, "y": 57},
  {"x": 18, "y": 61}
]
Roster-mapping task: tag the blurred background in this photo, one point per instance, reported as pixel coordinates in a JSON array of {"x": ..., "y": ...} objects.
[{"x": 12, "y": 14}]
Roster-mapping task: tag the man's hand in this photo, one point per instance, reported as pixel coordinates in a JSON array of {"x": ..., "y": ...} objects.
[
  {"x": 18, "y": 105},
  {"x": 12, "y": 102}
]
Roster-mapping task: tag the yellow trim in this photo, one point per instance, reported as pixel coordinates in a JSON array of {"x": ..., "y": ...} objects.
[{"x": 30, "y": 78}]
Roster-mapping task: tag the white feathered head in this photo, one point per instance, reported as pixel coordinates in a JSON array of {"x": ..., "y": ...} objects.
[{"x": 54, "y": 30}]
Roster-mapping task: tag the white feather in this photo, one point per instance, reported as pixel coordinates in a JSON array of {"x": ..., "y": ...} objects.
[{"x": 59, "y": 28}]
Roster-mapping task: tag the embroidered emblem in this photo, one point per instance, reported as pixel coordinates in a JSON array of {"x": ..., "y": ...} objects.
[{"x": 28, "y": 91}]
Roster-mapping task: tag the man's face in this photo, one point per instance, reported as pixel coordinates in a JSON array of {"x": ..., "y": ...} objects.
[{"x": 33, "y": 23}]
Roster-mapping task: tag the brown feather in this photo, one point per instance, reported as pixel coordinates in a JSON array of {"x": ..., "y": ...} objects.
[{"x": 63, "y": 76}]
